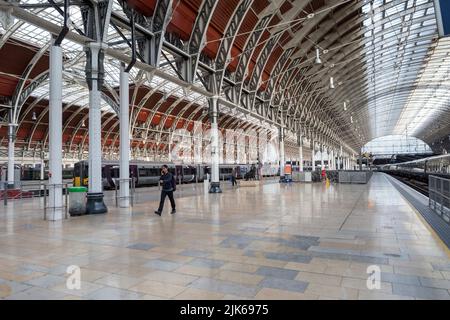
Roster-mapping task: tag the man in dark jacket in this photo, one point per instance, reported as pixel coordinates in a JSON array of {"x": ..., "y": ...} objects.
[{"x": 168, "y": 187}]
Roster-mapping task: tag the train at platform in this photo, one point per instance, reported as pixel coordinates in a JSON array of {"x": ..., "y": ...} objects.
[
  {"x": 419, "y": 170},
  {"x": 148, "y": 173},
  {"x": 144, "y": 173}
]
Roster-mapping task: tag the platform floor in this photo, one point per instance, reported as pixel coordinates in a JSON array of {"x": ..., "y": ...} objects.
[{"x": 275, "y": 241}]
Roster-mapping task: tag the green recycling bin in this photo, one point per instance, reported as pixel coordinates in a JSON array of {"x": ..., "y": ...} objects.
[{"x": 77, "y": 201}]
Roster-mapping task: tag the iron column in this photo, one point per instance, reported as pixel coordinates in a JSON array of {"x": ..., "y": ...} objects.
[
  {"x": 214, "y": 114},
  {"x": 124, "y": 139}
]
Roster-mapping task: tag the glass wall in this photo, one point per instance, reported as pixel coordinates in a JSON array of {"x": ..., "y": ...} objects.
[{"x": 396, "y": 144}]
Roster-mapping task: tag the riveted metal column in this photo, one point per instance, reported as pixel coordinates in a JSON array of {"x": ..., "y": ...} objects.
[
  {"x": 313, "y": 156},
  {"x": 360, "y": 160},
  {"x": 214, "y": 114},
  {"x": 95, "y": 202},
  {"x": 322, "y": 165},
  {"x": 42, "y": 173},
  {"x": 55, "y": 134},
  {"x": 300, "y": 153},
  {"x": 282, "y": 155},
  {"x": 333, "y": 166},
  {"x": 11, "y": 143},
  {"x": 124, "y": 139}
]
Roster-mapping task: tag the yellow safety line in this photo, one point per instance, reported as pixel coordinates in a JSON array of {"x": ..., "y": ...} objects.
[{"x": 425, "y": 222}]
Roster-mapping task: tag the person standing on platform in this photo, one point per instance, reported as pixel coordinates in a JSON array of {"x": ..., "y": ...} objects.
[
  {"x": 233, "y": 176},
  {"x": 168, "y": 187},
  {"x": 323, "y": 174}
]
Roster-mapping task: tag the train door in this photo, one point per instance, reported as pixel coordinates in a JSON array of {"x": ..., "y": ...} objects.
[
  {"x": 238, "y": 172},
  {"x": 107, "y": 176},
  {"x": 178, "y": 173},
  {"x": 134, "y": 174},
  {"x": 199, "y": 173},
  {"x": 80, "y": 174}
]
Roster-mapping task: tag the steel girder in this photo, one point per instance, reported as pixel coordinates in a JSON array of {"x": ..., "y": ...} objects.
[
  {"x": 197, "y": 40},
  {"x": 226, "y": 44}
]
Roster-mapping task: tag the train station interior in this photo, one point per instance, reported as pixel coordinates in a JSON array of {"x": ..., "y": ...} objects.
[{"x": 224, "y": 150}]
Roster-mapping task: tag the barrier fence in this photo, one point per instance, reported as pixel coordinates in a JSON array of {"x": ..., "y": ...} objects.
[
  {"x": 439, "y": 196},
  {"x": 41, "y": 189},
  {"x": 130, "y": 197}
]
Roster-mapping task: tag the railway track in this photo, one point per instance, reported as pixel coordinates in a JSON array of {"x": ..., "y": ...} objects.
[{"x": 419, "y": 186}]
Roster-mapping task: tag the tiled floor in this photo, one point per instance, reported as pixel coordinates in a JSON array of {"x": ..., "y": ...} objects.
[{"x": 297, "y": 241}]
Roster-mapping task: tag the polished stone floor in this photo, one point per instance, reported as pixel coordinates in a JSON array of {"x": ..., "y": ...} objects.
[{"x": 288, "y": 241}]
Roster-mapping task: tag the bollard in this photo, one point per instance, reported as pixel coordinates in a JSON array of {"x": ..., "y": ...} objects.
[
  {"x": 66, "y": 200},
  {"x": 45, "y": 202},
  {"x": 133, "y": 188},
  {"x": 115, "y": 187},
  {"x": 5, "y": 195}
]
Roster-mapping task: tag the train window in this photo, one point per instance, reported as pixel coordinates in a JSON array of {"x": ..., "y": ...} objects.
[
  {"x": 143, "y": 173},
  {"x": 115, "y": 173},
  {"x": 76, "y": 170},
  {"x": 154, "y": 172}
]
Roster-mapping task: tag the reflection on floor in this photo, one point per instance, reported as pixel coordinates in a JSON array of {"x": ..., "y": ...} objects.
[{"x": 297, "y": 241}]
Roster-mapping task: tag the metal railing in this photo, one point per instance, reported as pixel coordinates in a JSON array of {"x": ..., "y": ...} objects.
[
  {"x": 65, "y": 192},
  {"x": 439, "y": 196},
  {"x": 130, "y": 197},
  {"x": 41, "y": 189},
  {"x": 354, "y": 177}
]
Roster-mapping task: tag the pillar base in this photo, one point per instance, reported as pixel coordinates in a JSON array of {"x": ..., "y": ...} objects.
[
  {"x": 95, "y": 204},
  {"x": 214, "y": 187}
]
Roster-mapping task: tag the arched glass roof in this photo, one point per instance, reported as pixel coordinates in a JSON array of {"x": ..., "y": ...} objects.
[
  {"x": 396, "y": 144},
  {"x": 390, "y": 69}
]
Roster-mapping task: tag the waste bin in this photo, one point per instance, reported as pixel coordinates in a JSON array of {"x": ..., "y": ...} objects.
[{"x": 77, "y": 201}]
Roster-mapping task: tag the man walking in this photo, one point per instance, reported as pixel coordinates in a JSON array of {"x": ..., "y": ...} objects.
[{"x": 168, "y": 187}]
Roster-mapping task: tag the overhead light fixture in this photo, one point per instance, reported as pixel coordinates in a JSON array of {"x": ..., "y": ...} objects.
[
  {"x": 318, "y": 61},
  {"x": 331, "y": 83},
  {"x": 33, "y": 117},
  {"x": 351, "y": 119},
  {"x": 83, "y": 124},
  {"x": 345, "y": 106}
]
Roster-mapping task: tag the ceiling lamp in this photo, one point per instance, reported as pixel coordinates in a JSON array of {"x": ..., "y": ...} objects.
[
  {"x": 351, "y": 119},
  {"x": 83, "y": 124},
  {"x": 33, "y": 117},
  {"x": 331, "y": 83},
  {"x": 317, "y": 60},
  {"x": 345, "y": 106}
]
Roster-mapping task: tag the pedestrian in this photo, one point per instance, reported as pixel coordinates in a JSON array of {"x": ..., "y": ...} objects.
[
  {"x": 323, "y": 174},
  {"x": 168, "y": 187},
  {"x": 233, "y": 176}
]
